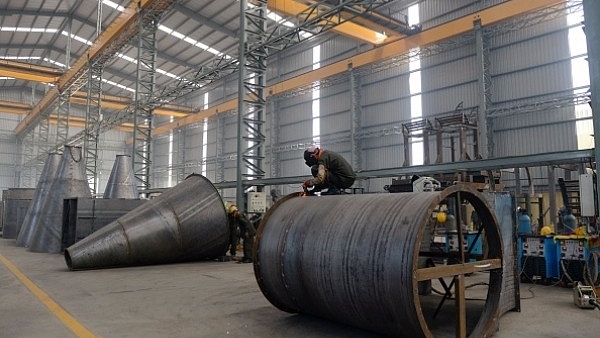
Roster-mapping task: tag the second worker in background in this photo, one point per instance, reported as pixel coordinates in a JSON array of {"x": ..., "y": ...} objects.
[{"x": 237, "y": 220}]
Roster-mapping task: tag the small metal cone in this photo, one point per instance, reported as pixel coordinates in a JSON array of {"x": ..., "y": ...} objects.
[{"x": 121, "y": 181}]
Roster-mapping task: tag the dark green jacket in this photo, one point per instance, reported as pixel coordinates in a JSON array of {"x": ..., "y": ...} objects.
[{"x": 334, "y": 170}]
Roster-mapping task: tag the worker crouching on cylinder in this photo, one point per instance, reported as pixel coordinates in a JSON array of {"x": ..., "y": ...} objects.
[
  {"x": 330, "y": 171},
  {"x": 237, "y": 220}
]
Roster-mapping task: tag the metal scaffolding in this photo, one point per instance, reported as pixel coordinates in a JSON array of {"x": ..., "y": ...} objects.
[
  {"x": 144, "y": 108},
  {"x": 62, "y": 117},
  {"x": 251, "y": 94},
  {"x": 92, "y": 120},
  {"x": 27, "y": 175}
]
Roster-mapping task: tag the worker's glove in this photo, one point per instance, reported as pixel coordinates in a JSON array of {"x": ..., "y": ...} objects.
[{"x": 308, "y": 183}]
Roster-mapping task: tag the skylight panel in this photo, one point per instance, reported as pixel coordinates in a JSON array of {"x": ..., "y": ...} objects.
[{"x": 113, "y": 5}]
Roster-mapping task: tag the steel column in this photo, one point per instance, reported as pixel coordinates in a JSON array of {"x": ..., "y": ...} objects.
[
  {"x": 28, "y": 166},
  {"x": 551, "y": 195},
  {"x": 356, "y": 112},
  {"x": 220, "y": 144},
  {"x": 44, "y": 136},
  {"x": 239, "y": 188},
  {"x": 92, "y": 123},
  {"x": 144, "y": 90},
  {"x": 255, "y": 83},
  {"x": 484, "y": 137},
  {"x": 275, "y": 132},
  {"x": 62, "y": 118},
  {"x": 179, "y": 135}
]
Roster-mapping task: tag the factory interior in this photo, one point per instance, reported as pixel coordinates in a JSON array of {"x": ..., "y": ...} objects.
[{"x": 299, "y": 168}]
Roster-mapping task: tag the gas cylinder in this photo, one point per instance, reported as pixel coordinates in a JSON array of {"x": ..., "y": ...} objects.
[{"x": 524, "y": 222}]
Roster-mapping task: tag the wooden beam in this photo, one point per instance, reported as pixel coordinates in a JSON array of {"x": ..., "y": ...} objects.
[{"x": 457, "y": 269}]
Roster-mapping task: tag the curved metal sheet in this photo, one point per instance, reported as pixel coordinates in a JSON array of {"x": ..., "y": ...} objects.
[
  {"x": 187, "y": 222},
  {"x": 49, "y": 174},
  {"x": 318, "y": 255},
  {"x": 121, "y": 183},
  {"x": 71, "y": 182}
]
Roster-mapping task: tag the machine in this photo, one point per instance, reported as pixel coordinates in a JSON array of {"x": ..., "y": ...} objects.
[
  {"x": 575, "y": 259},
  {"x": 584, "y": 296},
  {"x": 538, "y": 259}
]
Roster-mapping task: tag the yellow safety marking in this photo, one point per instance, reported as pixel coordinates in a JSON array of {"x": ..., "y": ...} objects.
[{"x": 78, "y": 329}]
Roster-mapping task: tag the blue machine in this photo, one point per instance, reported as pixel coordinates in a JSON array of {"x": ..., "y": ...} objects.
[
  {"x": 537, "y": 258},
  {"x": 573, "y": 255},
  {"x": 470, "y": 240}
]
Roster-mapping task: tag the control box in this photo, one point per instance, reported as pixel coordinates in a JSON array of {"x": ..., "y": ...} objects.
[
  {"x": 470, "y": 240},
  {"x": 537, "y": 258},
  {"x": 573, "y": 249}
]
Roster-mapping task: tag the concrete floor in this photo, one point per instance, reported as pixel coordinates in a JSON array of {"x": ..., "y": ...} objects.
[{"x": 205, "y": 299}]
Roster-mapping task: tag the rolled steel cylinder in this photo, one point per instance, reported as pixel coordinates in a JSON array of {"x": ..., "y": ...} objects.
[
  {"x": 187, "y": 222},
  {"x": 353, "y": 258}
]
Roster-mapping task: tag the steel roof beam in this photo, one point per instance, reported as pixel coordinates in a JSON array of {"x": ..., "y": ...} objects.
[
  {"x": 14, "y": 107},
  {"x": 489, "y": 16},
  {"x": 205, "y": 21},
  {"x": 116, "y": 35},
  {"x": 340, "y": 26},
  {"x": 52, "y": 14},
  {"x": 29, "y": 72}
]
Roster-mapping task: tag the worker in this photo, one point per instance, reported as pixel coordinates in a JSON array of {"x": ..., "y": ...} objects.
[
  {"x": 239, "y": 222},
  {"x": 330, "y": 171}
]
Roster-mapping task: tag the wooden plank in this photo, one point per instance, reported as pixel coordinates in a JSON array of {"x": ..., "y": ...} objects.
[
  {"x": 457, "y": 269},
  {"x": 461, "y": 307}
]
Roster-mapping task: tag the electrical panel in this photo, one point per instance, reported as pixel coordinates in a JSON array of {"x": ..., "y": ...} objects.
[
  {"x": 573, "y": 249},
  {"x": 537, "y": 258}
]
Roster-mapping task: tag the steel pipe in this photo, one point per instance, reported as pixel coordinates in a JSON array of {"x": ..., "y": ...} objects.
[
  {"x": 187, "y": 222},
  {"x": 355, "y": 259}
]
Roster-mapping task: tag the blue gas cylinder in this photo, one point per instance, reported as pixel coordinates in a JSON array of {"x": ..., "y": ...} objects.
[
  {"x": 524, "y": 223},
  {"x": 570, "y": 222}
]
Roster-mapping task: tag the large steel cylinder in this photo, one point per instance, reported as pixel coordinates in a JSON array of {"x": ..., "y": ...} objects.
[
  {"x": 32, "y": 217},
  {"x": 187, "y": 222},
  {"x": 70, "y": 182},
  {"x": 121, "y": 183},
  {"x": 354, "y": 259}
]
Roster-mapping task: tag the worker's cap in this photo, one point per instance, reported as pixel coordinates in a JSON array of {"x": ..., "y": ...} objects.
[
  {"x": 310, "y": 155},
  {"x": 232, "y": 209},
  {"x": 311, "y": 150}
]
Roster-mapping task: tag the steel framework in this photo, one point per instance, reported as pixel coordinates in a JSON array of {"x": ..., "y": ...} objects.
[
  {"x": 144, "y": 90},
  {"x": 92, "y": 118}
]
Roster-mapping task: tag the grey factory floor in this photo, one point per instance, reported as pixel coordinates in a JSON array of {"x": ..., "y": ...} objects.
[{"x": 39, "y": 297}]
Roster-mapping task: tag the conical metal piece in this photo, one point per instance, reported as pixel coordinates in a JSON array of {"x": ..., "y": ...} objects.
[
  {"x": 70, "y": 183},
  {"x": 121, "y": 183},
  {"x": 187, "y": 222},
  {"x": 32, "y": 217}
]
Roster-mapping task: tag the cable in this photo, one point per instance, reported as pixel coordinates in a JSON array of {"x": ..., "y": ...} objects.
[
  {"x": 594, "y": 302},
  {"x": 592, "y": 277}
]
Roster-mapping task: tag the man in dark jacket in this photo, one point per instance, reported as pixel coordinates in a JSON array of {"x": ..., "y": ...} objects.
[
  {"x": 247, "y": 231},
  {"x": 330, "y": 171}
]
